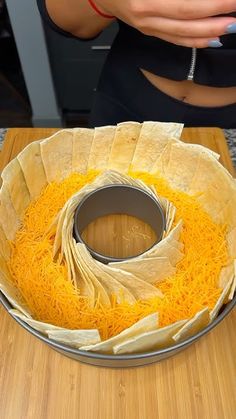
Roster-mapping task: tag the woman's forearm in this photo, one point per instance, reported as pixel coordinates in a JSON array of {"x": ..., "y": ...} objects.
[{"x": 76, "y": 17}]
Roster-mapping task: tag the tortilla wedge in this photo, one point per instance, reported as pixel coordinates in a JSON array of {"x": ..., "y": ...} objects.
[
  {"x": 56, "y": 153},
  {"x": 149, "y": 341},
  {"x": 75, "y": 338},
  {"x": 151, "y": 270},
  {"x": 227, "y": 274},
  {"x": 32, "y": 166},
  {"x": 139, "y": 288},
  {"x": 5, "y": 250},
  {"x": 111, "y": 285},
  {"x": 221, "y": 210},
  {"x": 101, "y": 147},
  {"x": 146, "y": 324},
  {"x": 223, "y": 299},
  {"x": 152, "y": 139},
  {"x": 10, "y": 222},
  {"x": 123, "y": 147},
  {"x": 194, "y": 325},
  {"x": 169, "y": 248},
  {"x": 40, "y": 326},
  {"x": 13, "y": 179},
  {"x": 100, "y": 293},
  {"x": 82, "y": 142}
]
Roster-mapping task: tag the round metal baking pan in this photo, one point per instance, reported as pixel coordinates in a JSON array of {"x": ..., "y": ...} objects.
[
  {"x": 121, "y": 361},
  {"x": 118, "y": 199}
]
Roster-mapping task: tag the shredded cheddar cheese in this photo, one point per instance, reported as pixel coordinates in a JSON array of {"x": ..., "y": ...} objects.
[{"x": 52, "y": 298}]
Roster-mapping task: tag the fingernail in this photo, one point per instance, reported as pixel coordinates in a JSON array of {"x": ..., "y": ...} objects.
[
  {"x": 231, "y": 28},
  {"x": 214, "y": 43}
]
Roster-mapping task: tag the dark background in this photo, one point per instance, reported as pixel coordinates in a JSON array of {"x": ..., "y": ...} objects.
[{"x": 76, "y": 66}]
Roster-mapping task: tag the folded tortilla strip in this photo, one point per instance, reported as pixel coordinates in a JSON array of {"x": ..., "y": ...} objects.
[
  {"x": 146, "y": 324},
  {"x": 32, "y": 166},
  {"x": 56, "y": 153},
  {"x": 82, "y": 142},
  {"x": 194, "y": 325},
  {"x": 152, "y": 139},
  {"x": 149, "y": 341},
  {"x": 123, "y": 147},
  {"x": 101, "y": 147},
  {"x": 13, "y": 178}
]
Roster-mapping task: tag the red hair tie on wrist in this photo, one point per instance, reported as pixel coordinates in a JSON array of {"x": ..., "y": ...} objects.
[{"x": 93, "y": 5}]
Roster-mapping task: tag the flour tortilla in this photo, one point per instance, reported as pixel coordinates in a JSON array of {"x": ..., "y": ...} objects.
[
  {"x": 149, "y": 341},
  {"x": 13, "y": 179},
  {"x": 67, "y": 212},
  {"x": 217, "y": 187},
  {"x": 5, "y": 250},
  {"x": 152, "y": 139},
  {"x": 100, "y": 293},
  {"x": 162, "y": 160},
  {"x": 194, "y": 325},
  {"x": 169, "y": 247},
  {"x": 203, "y": 150},
  {"x": 82, "y": 142},
  {"x": 56, "y": 153},
  {"x": 170, "y": 217},
  {"x": 146, "y": 324},
  {"x": 137, "y": 287},
  {"x": 195, "y": 170},
  {"x": 227, "y": 213},
  {"x": 211, "y": 173},
  {"x": 58, "y": 237},
  {"x": 222, "y": 210},
  {"x": 65, "y": 247},
  {"x": 37, "y": 325},
  {"x": 101, "y": 147},
  {"x": 10, "y": 221},
  {"x": 150, "y": 270},
  {"x": 85, "y": 284},
  {"x": 32, "y": 166},
  {"x": 111, "y": 284},
  {"x": 223, "y": 299},
  {"x": 75, "y": 338},
  {"x": 228, "y": 274},
  {"x": 178, "y": 164},
  {"x": 124, "y": 145}
]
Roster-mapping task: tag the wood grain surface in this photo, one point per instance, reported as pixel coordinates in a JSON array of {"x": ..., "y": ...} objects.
[{"x": 39, "y": 383}]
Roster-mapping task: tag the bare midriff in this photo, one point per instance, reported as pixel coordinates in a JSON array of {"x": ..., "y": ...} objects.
[{"x": 195, "y": 94}]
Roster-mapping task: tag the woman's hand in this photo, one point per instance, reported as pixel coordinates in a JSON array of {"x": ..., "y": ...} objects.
[{"x": 189, "y": 23}]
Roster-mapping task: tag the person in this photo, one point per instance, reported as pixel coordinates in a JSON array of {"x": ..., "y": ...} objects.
[{"x": 171, "y": 61}]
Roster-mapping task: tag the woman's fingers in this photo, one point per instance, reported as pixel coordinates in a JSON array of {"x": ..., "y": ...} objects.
[
  {"x": 190, "y": 42},
  {"x": 200, "y": 28}
]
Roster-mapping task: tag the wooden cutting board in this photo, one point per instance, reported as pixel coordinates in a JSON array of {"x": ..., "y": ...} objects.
[{"x": 36, "y": 382}]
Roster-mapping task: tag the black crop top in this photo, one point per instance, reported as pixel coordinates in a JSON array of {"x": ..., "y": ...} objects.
[{"x": 207, "y": 66}]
